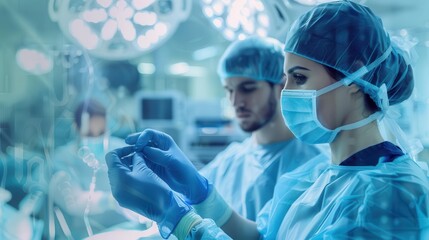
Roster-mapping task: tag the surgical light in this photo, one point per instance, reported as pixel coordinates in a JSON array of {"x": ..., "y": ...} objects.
[
  {"x": 237, "y": 19},
  {"x": 122, "y": 29},
  {"x": 316, "y": 2},
  {"x": 311, "y": 2},
  {"x": 34, "y": 61},
  {"x": 146, "y": 68},
  {"x": 182, "y": 68}
]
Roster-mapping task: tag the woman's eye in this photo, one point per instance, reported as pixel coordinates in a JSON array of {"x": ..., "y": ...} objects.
[{"x": 299, "y": 79}]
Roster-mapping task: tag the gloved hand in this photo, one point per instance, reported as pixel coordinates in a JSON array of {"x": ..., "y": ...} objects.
[
  {"x": 135, "y": 186},
  {"x": 166, "y": 159}
]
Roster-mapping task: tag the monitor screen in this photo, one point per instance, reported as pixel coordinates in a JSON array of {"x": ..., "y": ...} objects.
[{"x": 157, "y": 109}]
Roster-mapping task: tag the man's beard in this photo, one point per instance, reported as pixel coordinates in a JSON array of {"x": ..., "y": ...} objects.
[{"x": 266, "y": 118}]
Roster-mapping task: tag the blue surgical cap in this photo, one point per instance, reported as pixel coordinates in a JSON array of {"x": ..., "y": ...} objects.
[
  {"x": 254, "y": 57},
  {"x": 348, "y": 37}
]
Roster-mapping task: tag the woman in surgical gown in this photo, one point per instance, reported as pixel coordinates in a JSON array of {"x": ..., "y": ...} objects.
[{"x": 342, "y": 73}]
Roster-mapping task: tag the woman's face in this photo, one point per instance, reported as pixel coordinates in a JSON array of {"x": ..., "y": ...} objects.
[{"x": 304, "y": 74}]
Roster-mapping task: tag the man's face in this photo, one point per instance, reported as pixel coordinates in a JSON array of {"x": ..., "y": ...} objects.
[
  {"x": 254, "y": 102},
  {"x": 97, "y": 126}
]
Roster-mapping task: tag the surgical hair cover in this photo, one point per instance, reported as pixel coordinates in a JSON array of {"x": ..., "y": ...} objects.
[
  {"x": 257, "y": 58},
  {"x": 349, "y": 37}
]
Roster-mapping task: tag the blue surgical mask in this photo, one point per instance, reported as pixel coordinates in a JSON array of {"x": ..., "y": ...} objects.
[{"x": 300, "y": 114}]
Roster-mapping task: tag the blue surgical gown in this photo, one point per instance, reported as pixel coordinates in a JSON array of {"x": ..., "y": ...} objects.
[
  {"x": 378, "y": 193},
  {"x": 245, "y": 173},
  {"x": 385, "y": 199}
]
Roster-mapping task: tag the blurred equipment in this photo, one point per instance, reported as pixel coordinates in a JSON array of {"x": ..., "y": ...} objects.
[
  {"x": 5, "y": 196},
  {"x": 121, "y": 73},
  {"x": 209, "y": 136},
  {"x": 310, "y": 2},
  {"x": 164, "y": 108},
  {"x": 237, "y": 19},
  {"x": 164, "y": 111},
  {"x": 119, "y": 30},
  {"x": 21, "y": 224},
  {"x": 209, "y": 131}
]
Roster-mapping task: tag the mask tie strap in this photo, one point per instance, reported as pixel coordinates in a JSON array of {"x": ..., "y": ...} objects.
[
  {"x": 355, "y": 75},
  {"x": 343, "y": 82},
  {"x": 361, "y": 123},
  {"x": 394, "y": 132}
]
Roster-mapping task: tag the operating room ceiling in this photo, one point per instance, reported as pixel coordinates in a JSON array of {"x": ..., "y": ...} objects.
[{"x": 27, "y": 22}]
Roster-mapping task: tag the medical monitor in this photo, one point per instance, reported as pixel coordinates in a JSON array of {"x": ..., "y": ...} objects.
[
  {"x": 157, "y": 109},
  {"x": 160, "y": 108}
]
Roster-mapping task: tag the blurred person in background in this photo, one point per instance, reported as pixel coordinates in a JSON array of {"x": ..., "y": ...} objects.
[{"x": 79, "y": 185}]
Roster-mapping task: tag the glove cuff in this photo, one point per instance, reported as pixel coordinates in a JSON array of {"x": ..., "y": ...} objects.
[
  {"x": 214, "y": 207},
  {"x": 186, "y": 224},
  {"x": 204, "y": 191},
  {"x": 207, "y": 229},
  {"x": 174, "y": 214}
]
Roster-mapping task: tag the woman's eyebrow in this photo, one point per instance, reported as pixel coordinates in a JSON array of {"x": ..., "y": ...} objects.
[{"x": 291, "y": 70}]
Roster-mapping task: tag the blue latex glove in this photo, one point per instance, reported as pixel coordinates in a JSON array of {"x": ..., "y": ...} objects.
[
  {"x": 166, "y": 159},
  {"x": 136, "y": 187}
]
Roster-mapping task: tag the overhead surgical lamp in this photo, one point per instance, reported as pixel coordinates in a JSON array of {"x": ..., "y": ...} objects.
[
  {"x": 316, "y": 2},
  {"x": 310, "y": 2},
  {"x": 119, "y": 30},
  {"x": 237, "y": 19},
  {"x": 34, "y": 60}
]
